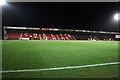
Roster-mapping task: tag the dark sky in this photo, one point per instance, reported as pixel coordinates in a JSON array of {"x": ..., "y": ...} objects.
[{"x": 77, "y": 15}]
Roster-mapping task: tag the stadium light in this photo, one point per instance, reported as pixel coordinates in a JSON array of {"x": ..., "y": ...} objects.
[
  {"x": 2, "y": 2},
  {"x": 116, "y": 17}
]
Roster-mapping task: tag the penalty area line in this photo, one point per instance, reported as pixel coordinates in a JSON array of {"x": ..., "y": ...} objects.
[{"x": 59, "y": 68}]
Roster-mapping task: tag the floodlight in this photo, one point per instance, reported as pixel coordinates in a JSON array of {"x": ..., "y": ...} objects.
[
  {"x": 2, "y": 2},
  {"x": 116, "y": 17}
]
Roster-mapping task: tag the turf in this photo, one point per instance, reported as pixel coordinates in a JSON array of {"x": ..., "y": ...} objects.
[{"x": 37, "y": 54}]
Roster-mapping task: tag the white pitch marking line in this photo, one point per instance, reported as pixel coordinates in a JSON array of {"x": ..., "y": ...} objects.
[{"x": 59, "y": 68}]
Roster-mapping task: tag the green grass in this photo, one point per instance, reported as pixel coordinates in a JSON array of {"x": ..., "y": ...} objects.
[{"x": 46, "y": 54}]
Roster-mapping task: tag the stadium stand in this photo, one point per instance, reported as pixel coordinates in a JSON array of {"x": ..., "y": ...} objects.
[
  {"x": 35, "y": 36},
  {"x": 28, "y": 33},
  {"x": 13, "y": 36}
]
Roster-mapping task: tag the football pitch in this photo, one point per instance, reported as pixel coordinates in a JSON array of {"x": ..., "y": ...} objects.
[{"x": 59, "y": 59}]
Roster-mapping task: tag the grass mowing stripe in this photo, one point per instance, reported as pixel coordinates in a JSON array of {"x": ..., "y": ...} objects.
[
  {"x": 60, "y": 68},
  {"x": 13, "y": 41}
]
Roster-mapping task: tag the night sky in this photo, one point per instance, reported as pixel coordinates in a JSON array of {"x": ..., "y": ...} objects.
[{"x": 77, "y": 15}]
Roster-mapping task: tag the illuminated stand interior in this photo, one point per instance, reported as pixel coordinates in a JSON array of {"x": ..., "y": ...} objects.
[{"x": 27, "y": 29}]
